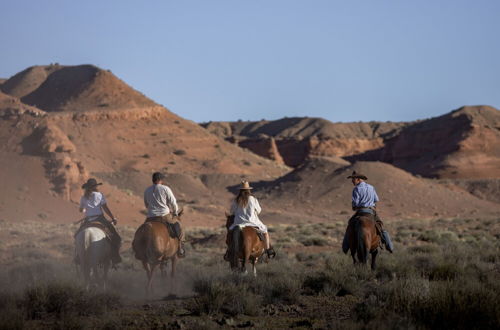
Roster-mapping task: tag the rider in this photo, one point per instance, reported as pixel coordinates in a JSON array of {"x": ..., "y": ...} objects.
[
  {"x": 93, "y": 204},
  {"x": 245, "y": 208},
  {"x": 160, "y": 202},
  {"x": 364, "y": 199}
]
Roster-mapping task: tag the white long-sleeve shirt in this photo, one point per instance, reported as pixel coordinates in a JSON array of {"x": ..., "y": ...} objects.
[
  {"x": 247, "y": 216},
  {"x": 160, "y": 201}
]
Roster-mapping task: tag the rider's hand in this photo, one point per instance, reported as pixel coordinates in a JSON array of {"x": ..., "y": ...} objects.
[{"x": 114, "y": 221}]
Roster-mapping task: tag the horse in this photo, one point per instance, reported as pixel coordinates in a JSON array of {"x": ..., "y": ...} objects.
[
  {"x": 363, "y": 239},
  {"x": 245, "y": 246},
  {"x": 93, "y": 251},
  {"x": 153, "y": 246}
]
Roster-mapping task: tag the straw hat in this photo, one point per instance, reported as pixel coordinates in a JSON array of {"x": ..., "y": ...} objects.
[
  {"x": 356, "y": 175},
  {"x": 245, "y": 186}
]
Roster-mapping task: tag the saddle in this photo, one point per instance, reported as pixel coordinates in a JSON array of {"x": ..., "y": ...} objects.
[
  {"x": 171, "y": 227},
  {"x": 95, "y": 224},
  {"x": 259, "y": 234}
]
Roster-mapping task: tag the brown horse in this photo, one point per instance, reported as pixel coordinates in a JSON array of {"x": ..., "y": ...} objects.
[
  {"x": 244, "y": 246},
  {"x": 363, "y": 239},
  {"x": 153, "y": 246}
]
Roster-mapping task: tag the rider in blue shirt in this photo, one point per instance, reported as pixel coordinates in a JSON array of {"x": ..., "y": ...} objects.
[{"x": 364, "y": 199}]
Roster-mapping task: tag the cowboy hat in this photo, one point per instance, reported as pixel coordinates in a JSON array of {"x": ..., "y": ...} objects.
[
  {"x": 90, "y": 183},
  {"x": 245, "y": 186},
  {"x": 356, "y": 175}
]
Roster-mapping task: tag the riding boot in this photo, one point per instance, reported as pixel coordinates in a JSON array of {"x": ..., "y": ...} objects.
[
  {"x": 176, "y": 226},
  {"x": 181, "y": 253}
]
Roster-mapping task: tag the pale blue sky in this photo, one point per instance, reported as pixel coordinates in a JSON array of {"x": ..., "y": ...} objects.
[{"x": 253, "y": 59}]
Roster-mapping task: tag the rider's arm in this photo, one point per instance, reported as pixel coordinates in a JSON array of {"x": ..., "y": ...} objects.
[
  {"x": 171, "y": 201},
  {"x": 106, "y": 209},
  {"x": 82, "y": 208},
  {"x": 355, "y": 198},
  {"x": 258, "y": 209}
]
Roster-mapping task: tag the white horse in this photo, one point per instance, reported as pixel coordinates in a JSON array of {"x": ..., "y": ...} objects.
[{"x": 93, "y": 251}]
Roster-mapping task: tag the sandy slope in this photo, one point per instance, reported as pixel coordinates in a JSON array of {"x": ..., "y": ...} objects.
[{"x": 94, "y": 125}]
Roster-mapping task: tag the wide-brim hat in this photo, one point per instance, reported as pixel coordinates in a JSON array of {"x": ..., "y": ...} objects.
[
  {"x": 91, "y": 183},
  {"x": 245, "y": 186},
  {"x": 356, "y": 175}
]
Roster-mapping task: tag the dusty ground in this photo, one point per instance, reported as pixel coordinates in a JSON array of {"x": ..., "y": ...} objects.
[{"x": 35, "y": 254}]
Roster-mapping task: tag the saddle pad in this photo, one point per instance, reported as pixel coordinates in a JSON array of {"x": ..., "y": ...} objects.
[{"x": 95, "y": 224}]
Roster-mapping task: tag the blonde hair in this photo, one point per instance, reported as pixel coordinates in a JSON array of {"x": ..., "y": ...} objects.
[{"x": 243, "y": 197}]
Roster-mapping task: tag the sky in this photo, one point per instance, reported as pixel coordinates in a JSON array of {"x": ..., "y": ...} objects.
[{"x": 268, "y": 59}]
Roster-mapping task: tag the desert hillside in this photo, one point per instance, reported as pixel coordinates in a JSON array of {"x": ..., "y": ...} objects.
[
  {"x": 60, "y": 125},
  {"x": 462, "y": 144},
  {"x": 320, "y": 188},
  {"x": 71, "y": 139},
  {"x": 298, "y": 138},
  {"x": 73, "y": 88}
]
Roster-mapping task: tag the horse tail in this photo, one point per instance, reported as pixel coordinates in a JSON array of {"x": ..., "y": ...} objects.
[
  {"x": 362, "y": 249},
  {"x": 235, "y": 246}
]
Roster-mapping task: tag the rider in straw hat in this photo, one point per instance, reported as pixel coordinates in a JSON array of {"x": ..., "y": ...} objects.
[
  {"x": 245, "y": 208},
  {"x": 93, "y": 204},
  {"x": 364, "y": 199}
]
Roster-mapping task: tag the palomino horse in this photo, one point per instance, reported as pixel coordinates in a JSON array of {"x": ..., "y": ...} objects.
[
  {"x": 153, "y": 246},
  {"x": 245, "y": 246},
  {"x": 363, "y": 239},
  {"x": 93, "y": 250}
]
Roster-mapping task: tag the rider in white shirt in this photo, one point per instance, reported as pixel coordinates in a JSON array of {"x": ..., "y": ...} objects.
[
  {"x": 93, "y": 203},
  {"x": 246, "y": 208},
  {"x": 161, "y": 203}
]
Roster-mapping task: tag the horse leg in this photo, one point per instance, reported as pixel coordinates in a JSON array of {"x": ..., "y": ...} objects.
[
  {"x": 150, "y": 279},
  {"x": 374, "y": 257},
  {"x": 163, "y": 269},
  {"x": 171, "y": 283},
  {"x": 105, "y": 276},
  {"x": 86, "y": 275},
  {"x": 254, "y": 261},
  {"x": 147, "y": 267},
  {"x": 247, "y": 252}
]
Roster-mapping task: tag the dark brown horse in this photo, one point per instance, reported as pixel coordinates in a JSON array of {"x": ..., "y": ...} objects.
[
  {"x": 363, "y": 239},
  {"x": 244, "y": 246},
  {"x": 154, "y": 246}
]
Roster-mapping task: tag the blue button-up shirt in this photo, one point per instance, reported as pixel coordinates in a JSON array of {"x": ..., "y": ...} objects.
[{"x": 364, "y": 195}]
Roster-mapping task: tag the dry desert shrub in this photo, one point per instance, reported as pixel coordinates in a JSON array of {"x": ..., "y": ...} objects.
[{"x": 65, "y": 300}]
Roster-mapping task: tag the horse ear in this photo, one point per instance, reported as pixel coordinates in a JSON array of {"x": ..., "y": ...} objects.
[{"x": 180, "y": 212}]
